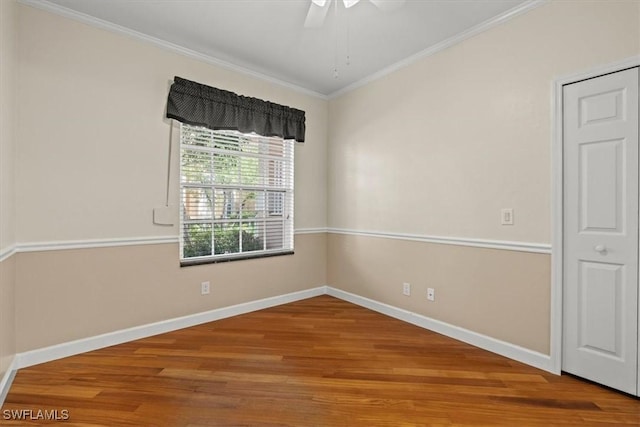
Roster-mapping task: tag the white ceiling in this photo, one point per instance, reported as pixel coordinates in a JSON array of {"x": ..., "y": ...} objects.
[{"x": 268, "y": 36}]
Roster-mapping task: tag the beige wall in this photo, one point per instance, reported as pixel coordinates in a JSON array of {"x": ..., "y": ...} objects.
[
  {"x": 7, "y": 118},
  {"x": 474, "y": 290},
  {"x": 7, "y": 204},
  {"x": 72, "y": 294},
  {"x": 439, "y": 147},
  {"x": 7, "y": 313},
  {"x": 91, "y": 163},
  {"x": 436, "y": 148},
  {"x": 96, "y": 163}
]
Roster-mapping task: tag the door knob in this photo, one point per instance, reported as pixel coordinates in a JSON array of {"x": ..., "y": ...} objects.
[{"x": 600, "y": 248}]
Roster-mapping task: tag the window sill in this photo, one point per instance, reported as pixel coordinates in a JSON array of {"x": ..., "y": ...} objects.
[{"x": 239, "y": 257}]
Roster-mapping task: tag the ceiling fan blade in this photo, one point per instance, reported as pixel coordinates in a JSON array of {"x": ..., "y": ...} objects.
[
  {"x": 316, "y": 15},
  {"x": 388, "y": 5}
]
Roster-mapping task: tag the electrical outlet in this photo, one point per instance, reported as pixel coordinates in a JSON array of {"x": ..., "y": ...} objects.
[
  {"x": 406, "y": 289},
  {"x": 431, "y": 294},
  {"x": 204, "y": 288}
]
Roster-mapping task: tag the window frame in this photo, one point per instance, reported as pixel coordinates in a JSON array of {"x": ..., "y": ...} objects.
[{"x": 272, "y": 169}]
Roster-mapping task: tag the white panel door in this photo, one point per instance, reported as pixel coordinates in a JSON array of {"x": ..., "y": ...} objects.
[{"x": 600, "y": 313}]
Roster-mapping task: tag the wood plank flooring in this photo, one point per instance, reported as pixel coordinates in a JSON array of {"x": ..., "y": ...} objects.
[{"x": 317, "y": 362}]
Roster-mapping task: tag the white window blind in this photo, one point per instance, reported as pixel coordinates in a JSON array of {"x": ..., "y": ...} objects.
[{"x": 236, "y": 195}]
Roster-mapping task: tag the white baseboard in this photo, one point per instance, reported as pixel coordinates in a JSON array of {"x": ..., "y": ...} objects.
[
  {"x": 46, "y": 354},
  {"x": 512, "y": 351},
  {"x": 7, "y": 379},
  {"x": 71, "y": 348}
]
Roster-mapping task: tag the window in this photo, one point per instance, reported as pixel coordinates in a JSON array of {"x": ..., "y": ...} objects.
[{"x": 236, "y": 195}]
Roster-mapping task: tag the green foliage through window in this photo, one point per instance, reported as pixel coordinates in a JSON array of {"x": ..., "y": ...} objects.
[{"x": 236, "y": 193}]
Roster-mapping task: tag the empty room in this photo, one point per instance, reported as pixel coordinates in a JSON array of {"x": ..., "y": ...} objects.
[{"x": 319, "y": 212}]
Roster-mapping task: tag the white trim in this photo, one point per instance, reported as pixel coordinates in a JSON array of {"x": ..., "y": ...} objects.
[
  {"x": 7, "y": 379},
  {"x": 97, "y": 243},
  {"x": 555, "y": 335},
  {"x": 47, "y": 354},
  {"x": 557, "y": 196},
  {"x": 541, "y": 248},
  {"x": 445, "y": 44},
  {"x": 71, "y": 348},
  {"x": 310, "y": 230},
  {"x": 108, "y": 243},
  {"x": 7, "y": 252},
  {"x": 512, "y": 351},
  {"x": 172, "y": 47},
  {"x": 109, "y": 26}
]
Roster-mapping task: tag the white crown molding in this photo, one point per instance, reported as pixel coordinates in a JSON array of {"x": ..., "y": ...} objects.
[
  {"x": 541, "y": 248},
  {"x": 512, "y": 351},
  {"x": 480, "y": 28},
  {"x": 115, "y": 28},
  {"x": 109, "y": 26}
]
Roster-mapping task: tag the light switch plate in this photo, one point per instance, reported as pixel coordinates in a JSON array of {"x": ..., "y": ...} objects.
[{"x": 506, "y": 216}]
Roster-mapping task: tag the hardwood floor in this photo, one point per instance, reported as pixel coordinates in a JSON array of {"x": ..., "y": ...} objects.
[{"x": 317, "y": 362}]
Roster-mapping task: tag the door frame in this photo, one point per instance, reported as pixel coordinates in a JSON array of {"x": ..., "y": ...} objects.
[{"x": 557, "y": 198}]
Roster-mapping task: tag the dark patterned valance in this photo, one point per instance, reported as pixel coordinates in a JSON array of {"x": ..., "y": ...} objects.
[{"x": 196, "y": 104}]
